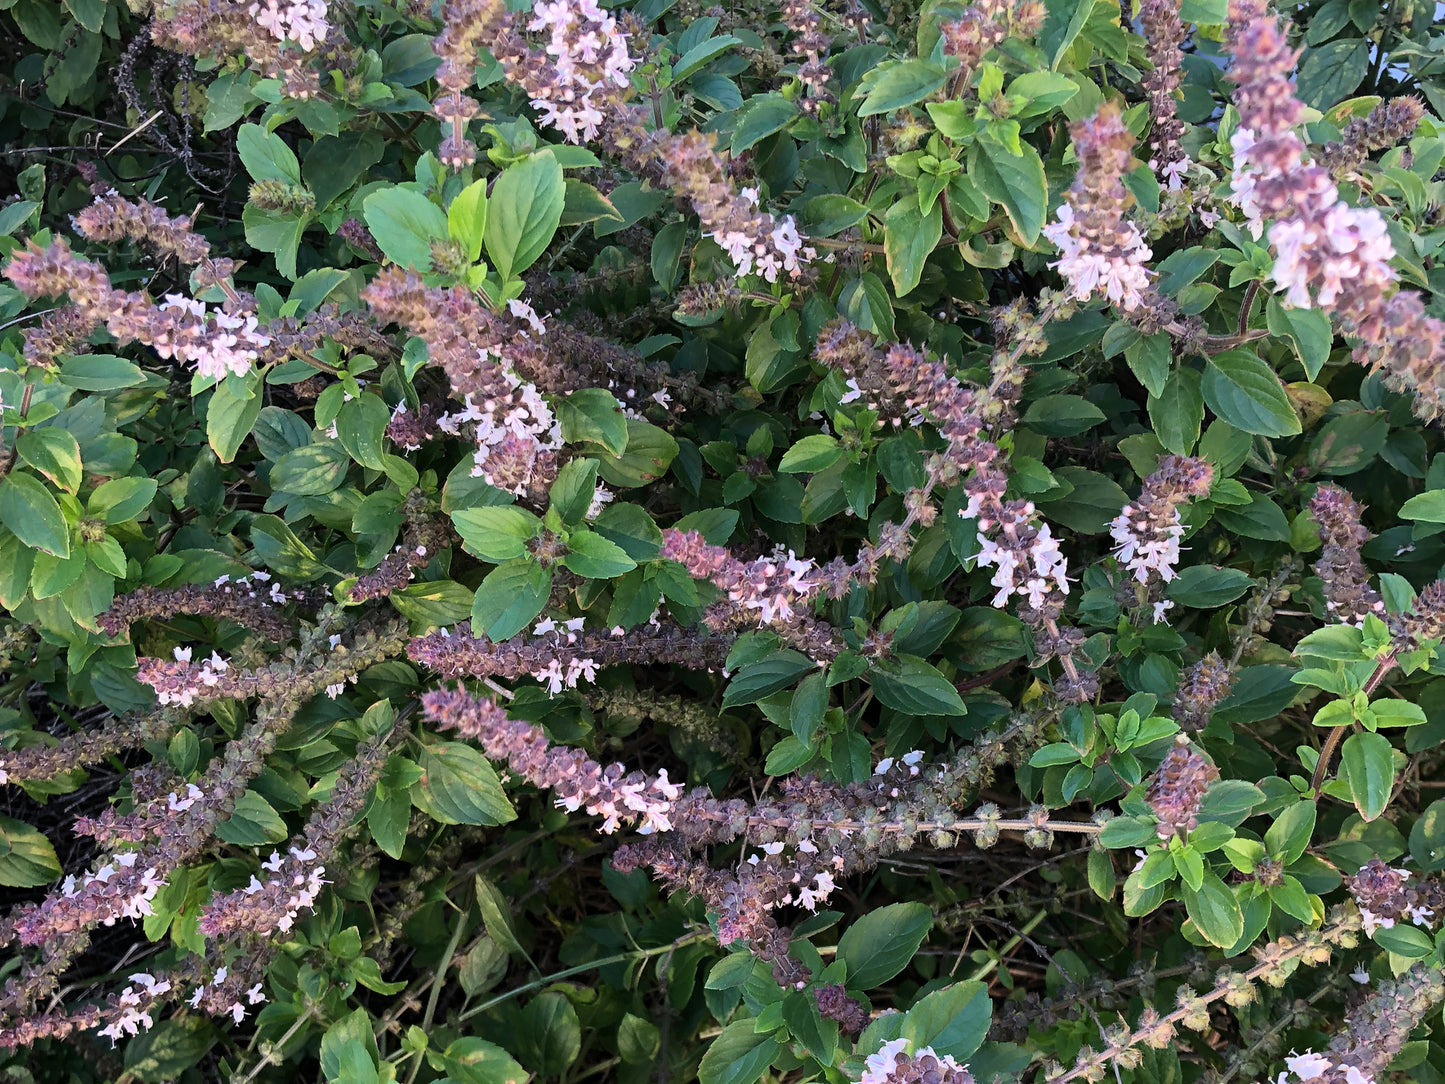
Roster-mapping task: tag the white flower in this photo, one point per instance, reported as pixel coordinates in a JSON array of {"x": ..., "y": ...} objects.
[
  {"x": 1308, "y": 1065},
  {"x": 879, "y": 1067}
]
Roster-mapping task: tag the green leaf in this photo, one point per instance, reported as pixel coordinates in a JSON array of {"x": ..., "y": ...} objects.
[
  {"x": 436, "y": 602},
  {"x": 170, "y": 1048},
  {"x": 1427, "y": 838},
  {"x": 1149, "y": 358},
  {"x": 28, "y": 509},
  {"x": 1289, "y": 836},
  {"x": 953, "y": 1021},
  {"x": 388, "y": 819},
  {"x": 666, "y": 255},
  {"x": 864, "y": 301},
  {"x": 1262, "y": 518},
  {"x": 739, "y": 1055},
  {"x": 1406, "y": 941},
  {"x": 908, "y": 240},
  {"x": 470, "y": 1060},
  {"x": 266, "y": 155},
  {"x": 496, "y": 534},
  {"x": 100, "y": 372},
  {"x": 277, "y": 233},
  {"x": 1428, "y": 507},
  {"x": 1062, "y": 24},
  {"x": 1308, "y": 330},
  {"x": 700, "y": 54},
  {"x": 54, "y": 452},
  {"x": 1349, "y": 442},
  {"x": 1123, "y": 832},
  {"x": 14, "y": 215},
  {"x": 1184, "y": 266},
  {"x": 1062, "y": 415},
  {"x": 1204, "y": 587},
  {"x": 899, "y": 85},
  {"x": 911, "y": 685},
  {"x": 496, "y": 914},
  {"x": 829, "y": 214},
  {"x": 361, "y": 427},
  {"x": 1367, "y": 764},
  {"x": 1258, "y": 693},
  {"x": 1330, "y": 73},
  {"x": 523, "y": 212},
  {"x": 1177, "y": 413},
  {"x": 1014, "y": 181},
  {"x": 121, "y": 499},
  {"x": 1215, "y": 911},
  {"x": 467, "y": 219},
  {"x": 253, "y": 822},
  {"x": 27, "y": 858},
  {"x": 510, "y": 598},
  {"x": 551, "y": 1035},
  {"x": 638, "y": 1040},
  {"x": 348, "y": 1050},
  {"x": 808, "y": 707},
  {"x": 230, "y": 417},
  {"x": 766, "y": 676},
  {"x": 1392, "y": 712},
  {"x": 1243, "y": 390},
  {"x": 811, "y": 454},
  {"x": 404, "y": 223},
  {"x": 583, "y": 203},
  {"x": 574, "y": 489},
  {"x": 1041, "y": 91},
  {"x": 312, "y": 471},
  {"x": 596, "y": 558},
  {"x": 458, "y": 786},
  {"x": 314, "y": 287},
  {"x": 593, "y": 414},
  {"x": 649, "y": 452},
  {"x": 759, "y": 118},
  {"x": 880, "y": 944}
]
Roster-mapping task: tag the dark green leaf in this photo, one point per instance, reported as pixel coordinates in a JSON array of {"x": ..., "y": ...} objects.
[
  {"x": 760, "y": 118},
  {"x": 911, "y": 685},
  {"x": 1330, "y": 73},
  {"x": 739, "y": 1055},
  {"x": 458, "y": 786},
  {"x": 1243, "y": 390},
  {"x": 510, "y": 598},
  {"x": 763, "y": 678},
  {"x": 1207, "y": 586}
]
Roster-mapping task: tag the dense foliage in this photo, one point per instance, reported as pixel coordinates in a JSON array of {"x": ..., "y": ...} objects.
[{"x": 850, "y": 541}]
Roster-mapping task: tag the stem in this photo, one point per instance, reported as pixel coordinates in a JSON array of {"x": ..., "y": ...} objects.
[
  {"x": 270, "y": 1055},
  {"x": 1246, "y": 305},
  {"x": 437, "y": 982},
  {"x": 1275, "y": 954}
]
